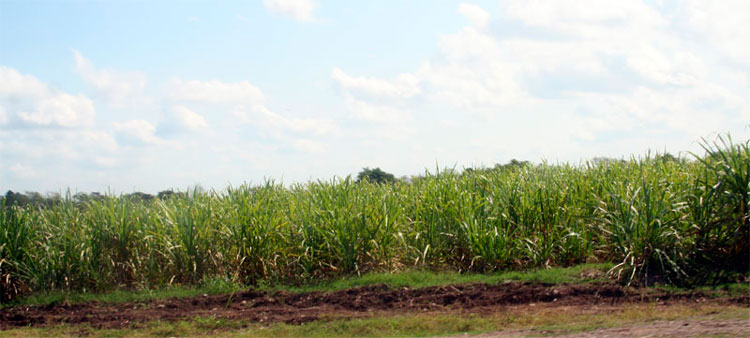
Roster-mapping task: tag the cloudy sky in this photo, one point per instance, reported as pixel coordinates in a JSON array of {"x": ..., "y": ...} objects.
[{"x": 150, "y": 95}]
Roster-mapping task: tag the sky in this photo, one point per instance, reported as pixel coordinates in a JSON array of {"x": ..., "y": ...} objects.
[{"x": 125, "y": 96}]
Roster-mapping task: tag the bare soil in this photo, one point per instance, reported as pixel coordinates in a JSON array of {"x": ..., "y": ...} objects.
[
  {"x": 296, "y": 308},
  {"x": 671, "y": 328},
  {"x": 677, "y": 328}
]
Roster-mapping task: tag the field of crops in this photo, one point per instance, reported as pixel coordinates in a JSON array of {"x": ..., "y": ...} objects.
[{"x": 681, "y": 220}]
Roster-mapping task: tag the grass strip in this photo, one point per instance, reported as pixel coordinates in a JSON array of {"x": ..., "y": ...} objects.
[{"x": 584, "y": 273}]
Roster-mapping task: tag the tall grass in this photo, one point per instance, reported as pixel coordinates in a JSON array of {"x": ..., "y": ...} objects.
[
  {"x": 659, "y": 218},
  {"x": 15, "y": 238},
  {"x": 720, "y": 206}
]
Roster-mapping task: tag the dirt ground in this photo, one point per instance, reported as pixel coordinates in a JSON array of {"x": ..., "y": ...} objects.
[
  {"x": 296, "y": 308},
  {"x": 673, "y": 328}
]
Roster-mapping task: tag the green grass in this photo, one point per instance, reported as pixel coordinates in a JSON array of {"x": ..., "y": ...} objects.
[
  {"x": 726, "y": 289},
  {"x": 583, "y": 273},
  {"x": 660, "y": 218}
]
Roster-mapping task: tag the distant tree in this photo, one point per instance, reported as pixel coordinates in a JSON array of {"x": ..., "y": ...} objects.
[
  {"x": 667, "y": 157},
  {"x": 601, "y": 160},
  {"x": 375, "y": 176},
  {"x": 513, "y": 164},
  {"x": 36, "y": 199},
  {"x": 406, "y": 179},
  {"x": 165, "y": 194},
  {"x": 30, "y": 198},
  {"x": 53, "y": 199},
  {"x": 16, "y": 198},
  {"x": 140, "y": 196},
  {"x": 82, "y": 198}
]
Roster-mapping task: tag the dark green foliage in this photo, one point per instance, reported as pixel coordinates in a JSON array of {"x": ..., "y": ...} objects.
[
  {"x": 512, "y": 164},
  {"x": 15, "y": 241},
  {"x": 375, "y": 176},
  {"x": 29, "y": 199},
  {"x": 720, "y": 206},
  {"x": 164, "y": 194},
  {"x": 139, "y": 196}
]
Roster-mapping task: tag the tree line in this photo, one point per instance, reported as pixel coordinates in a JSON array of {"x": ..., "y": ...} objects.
[{"x": 35, "y": 199}]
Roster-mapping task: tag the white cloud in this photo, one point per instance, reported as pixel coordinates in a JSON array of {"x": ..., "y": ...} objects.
[
  {"x": 215, "y": 92},
  {"x": 62, "y": 110},
  {"x": 591, "y": 19},
  {"x": 117, "y": 88},
  {"x": 558, "y": 79},
  {"x": 385, "y": 114},
  {"x": 682, "y": 69},
  {"x": 3, "y": 116},
  {"x": 476, "y": 88},
  {"x": 300, "y": 10},
  {"x": 22, "y": 171},
  {"x": 17, "y": 86},
  {"x": 478, "y": 16},
  {"x": 722, "y": 24},
  {"x": 137, "y": 132},
  {"x": 404, "y": 86},
  {"x": 245, "y": 104},
  {"x": 568, "y": 78},
  {"x": 269, "y": 121},
  {"x": 309, "y": 146},
  {"x": 675, "y": 110},
  {"x": 33, "y": 103},
  {"x": 472, "y": 72},
  {"x": 106, "y": 162},
  {"x": 100, "y": 141},
  {"x": 55, "y": 157},
  {"x": 60, "y": 143},
  {"x": 188, "y": 119}
]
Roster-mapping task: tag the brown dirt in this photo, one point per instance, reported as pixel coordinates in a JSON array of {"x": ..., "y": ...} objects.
[
  {"x": 257, "y": 306},
  {"x": 679, "y": 328},
  {"x": 671, "y": 328}
]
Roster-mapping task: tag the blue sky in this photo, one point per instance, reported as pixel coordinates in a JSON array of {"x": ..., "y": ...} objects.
[{"x": 151, "y": 95}]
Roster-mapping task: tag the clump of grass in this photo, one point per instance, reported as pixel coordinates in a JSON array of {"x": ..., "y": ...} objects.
[
  {"x": 720, "y": 209},
  {"x": 15, "y": 241},
  {"x": 643, "y": 218}
]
